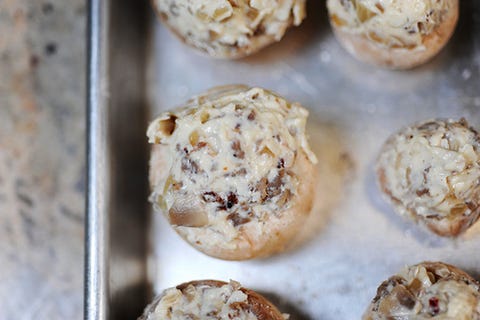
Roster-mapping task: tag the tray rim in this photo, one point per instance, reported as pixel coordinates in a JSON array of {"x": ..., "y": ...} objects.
[{"x": 96, "y": 222}]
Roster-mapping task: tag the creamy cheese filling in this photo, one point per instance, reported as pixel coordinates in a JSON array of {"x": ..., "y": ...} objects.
[
  {"x": 433, "y": 169},
  {"x": 426, "y": 291},
  {"x": 390, "y": 23},
  {"x": 204, "y": 302},
  {"x": 441, "y": 295},
  {"x": 213, "y": 24},
  {"x": 230, "y": 155}
]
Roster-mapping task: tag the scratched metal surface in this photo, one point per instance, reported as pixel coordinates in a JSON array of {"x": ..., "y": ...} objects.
[
  {"x": 356, "y": 241},
  {"x": 353, "y": 240}
]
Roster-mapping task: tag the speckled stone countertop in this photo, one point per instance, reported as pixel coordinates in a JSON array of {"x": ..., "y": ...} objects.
[{"x": 42, "y": 151}]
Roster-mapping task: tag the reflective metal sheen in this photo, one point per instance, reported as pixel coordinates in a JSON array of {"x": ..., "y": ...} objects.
[{"x": 98, "y": 172}]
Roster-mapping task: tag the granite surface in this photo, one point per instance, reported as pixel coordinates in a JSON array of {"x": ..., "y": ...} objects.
[{"x": 42, "y": 153}]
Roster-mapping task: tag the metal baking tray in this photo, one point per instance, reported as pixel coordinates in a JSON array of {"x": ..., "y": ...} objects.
[{"x": 353, "y": 241}]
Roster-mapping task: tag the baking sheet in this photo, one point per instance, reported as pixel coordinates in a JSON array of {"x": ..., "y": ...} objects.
[{"x": 355, "y": 241}]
